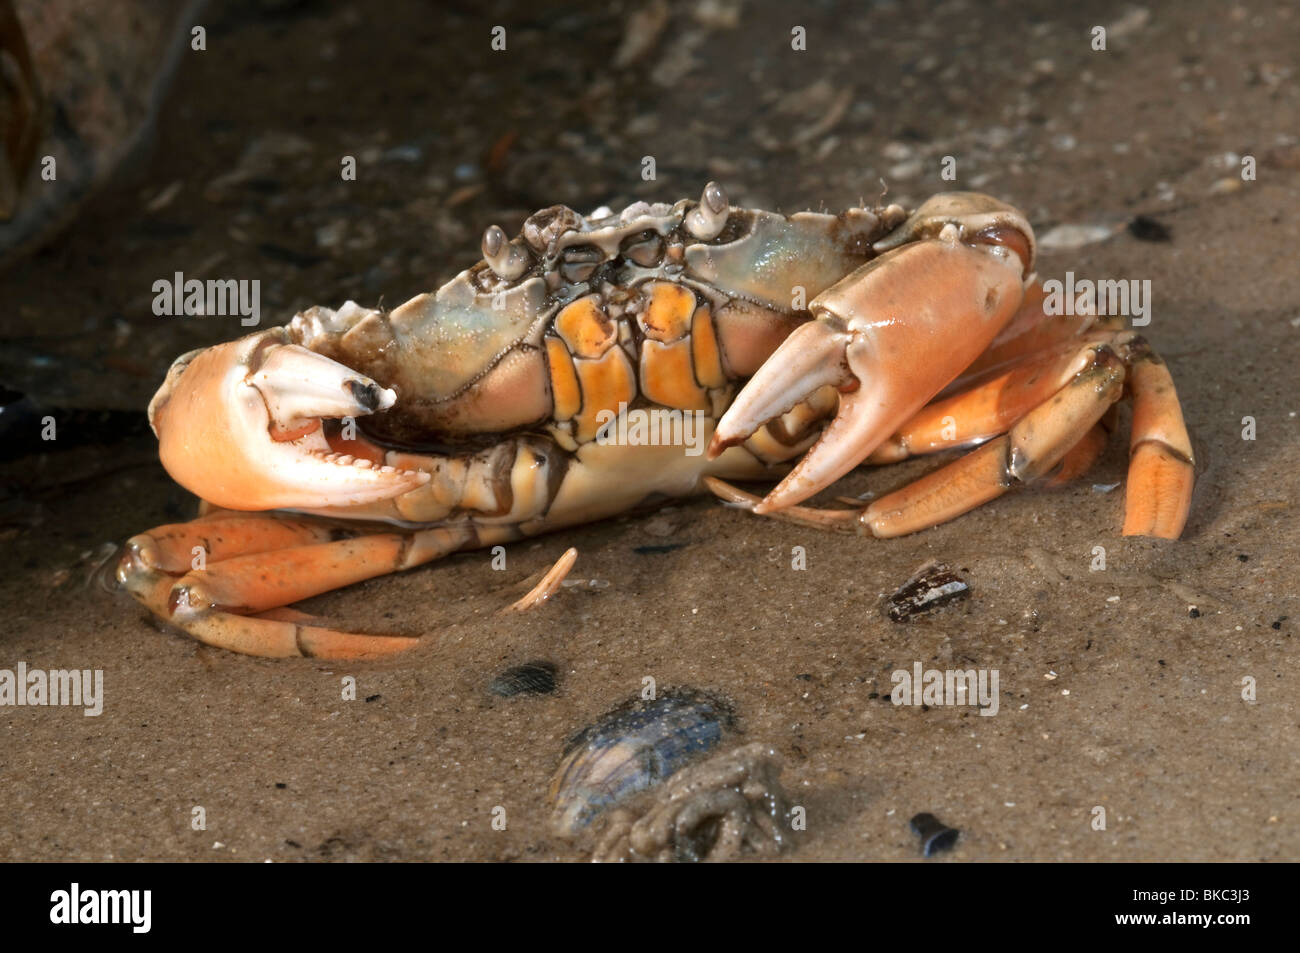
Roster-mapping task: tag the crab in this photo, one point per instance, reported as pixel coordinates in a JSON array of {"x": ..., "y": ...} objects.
[{"x": 356, "y": 442}]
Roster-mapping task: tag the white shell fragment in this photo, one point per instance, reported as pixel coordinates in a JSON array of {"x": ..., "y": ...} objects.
[{"x": 1067, "y": 237}]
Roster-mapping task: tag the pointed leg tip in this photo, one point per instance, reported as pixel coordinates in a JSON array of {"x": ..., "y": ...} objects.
[
  {"x": 720, "y": 443},
  {"x": 779, "y": 498}
]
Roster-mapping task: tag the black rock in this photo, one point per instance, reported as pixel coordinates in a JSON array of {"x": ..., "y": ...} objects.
[{"x": 1147, "y": 229}]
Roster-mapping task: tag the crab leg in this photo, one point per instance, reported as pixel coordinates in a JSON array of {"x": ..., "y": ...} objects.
[
  {"x": 274, "y": 634},
  {"x": 1027, "y": 451},
  {"x": 989, "y": 408},
  {"x": 261, "y": 581},
  {"x": 548, "y": 585},
  {"x": 1079, "y": 459},
  {"x": 1161, "y": 469},
  {"x": 226, "y": 604},
  {"x": 222, "y": 535}
]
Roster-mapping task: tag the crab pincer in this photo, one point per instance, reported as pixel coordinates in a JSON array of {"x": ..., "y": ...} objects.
[
  {"x": 250, "y": 418},
  {"x": 890, "y": 336}
]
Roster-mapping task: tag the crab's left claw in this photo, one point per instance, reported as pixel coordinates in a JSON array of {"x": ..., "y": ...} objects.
[
  {"x": 240, "y": 425},
  {"x": 891, "y": 335}
]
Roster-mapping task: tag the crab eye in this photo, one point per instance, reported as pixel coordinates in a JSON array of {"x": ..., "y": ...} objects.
[
  {"x": 507, "y": 260},
  {"x": 579, "y": 261},
  {"x": 646, "y": 249},
  {"x": 707, "y": 219}
]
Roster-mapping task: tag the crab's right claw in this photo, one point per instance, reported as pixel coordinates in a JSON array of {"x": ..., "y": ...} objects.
[
  {"x": 890, "y": 335},
  {"x": 240, "y": 425}
]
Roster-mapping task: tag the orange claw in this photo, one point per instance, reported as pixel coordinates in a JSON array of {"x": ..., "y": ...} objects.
[
  {"x": 929, "y": 306},
  {"x": 238, "y": 424}
]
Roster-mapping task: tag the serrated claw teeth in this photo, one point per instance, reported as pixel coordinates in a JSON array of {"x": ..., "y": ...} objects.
[{"x": 261, "y": 447}]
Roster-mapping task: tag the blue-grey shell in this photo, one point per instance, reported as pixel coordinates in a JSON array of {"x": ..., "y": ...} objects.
[
  {"x": 633, "y": 748},
  {"x": 435, "y": 345}
]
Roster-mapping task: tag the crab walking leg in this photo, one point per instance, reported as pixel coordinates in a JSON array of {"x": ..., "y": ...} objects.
[
  {"x": 840, "y": 521},
  {"x": 219, "y": 536},
  {"x": 1029, "y": 450},
  {"x": 1076, "y": 461},
  {"x": 989, "y": 408},
  {"x": 1079, "y": 459},
  {"x": 152, "y": 561},
  {"x": 261, "y": 581},
  {"x": 220, "y": 605},
  {"x": 272, "y": 635},
  {"x": 276, "y": 633},
  {"x": 548, "y": 585},
  {"x": 1161, "y": 469}
]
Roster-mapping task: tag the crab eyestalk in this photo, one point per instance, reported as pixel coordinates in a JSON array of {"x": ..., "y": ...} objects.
[
  {"x": 949, "y": 278},
  {"x": 506, "y": 259},
  {"x": 707, "y": 219},
  {"x": 240, "y": 425}
]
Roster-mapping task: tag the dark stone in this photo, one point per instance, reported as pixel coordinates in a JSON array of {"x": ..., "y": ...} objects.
[{"x": 1147, "y": 229}]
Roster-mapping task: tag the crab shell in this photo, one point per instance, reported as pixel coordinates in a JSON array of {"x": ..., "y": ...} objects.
[{"x": 471, "y": 358}]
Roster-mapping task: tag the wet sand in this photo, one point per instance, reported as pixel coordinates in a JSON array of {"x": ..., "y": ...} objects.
[{"x": 1113, "y": 693}]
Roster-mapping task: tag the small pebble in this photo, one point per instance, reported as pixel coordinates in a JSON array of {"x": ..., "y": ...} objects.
[
  {"x": 935, "y": 834},
  {"x": 531, "y": 678},
  {"x": 1147, "y": 229},
  {"x": 1067, "y": 237}
]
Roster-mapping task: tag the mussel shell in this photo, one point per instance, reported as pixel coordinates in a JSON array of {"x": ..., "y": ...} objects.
[
  {"x": 531, "y": 678},
  {"x": 931, "y": 586},
  {"x": 631, "y": 749}
]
